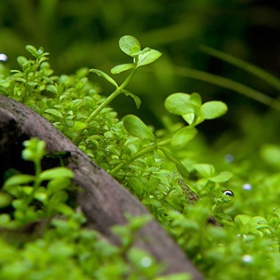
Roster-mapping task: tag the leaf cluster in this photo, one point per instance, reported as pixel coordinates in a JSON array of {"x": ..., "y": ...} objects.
[
  {"x": 181, "y": 180},
  {"x": 39, "y": 230}
]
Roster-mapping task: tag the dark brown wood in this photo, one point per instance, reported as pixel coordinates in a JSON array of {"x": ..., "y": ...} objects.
[{"x": 103, "y": 200}]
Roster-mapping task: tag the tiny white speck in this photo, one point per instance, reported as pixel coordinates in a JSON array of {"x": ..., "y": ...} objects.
[
  {"x": 247, "y": 187},
  {"x": 247, "y": 259},
  {"x": 146, "y": 262},
  {"x": 3, "y": 57}
]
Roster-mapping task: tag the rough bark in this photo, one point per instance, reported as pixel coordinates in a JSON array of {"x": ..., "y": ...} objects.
[{"x": 103, "y": 200}]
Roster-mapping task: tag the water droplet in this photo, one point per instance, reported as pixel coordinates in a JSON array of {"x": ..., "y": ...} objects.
[
  {"x": 229, "y": 158},
  {"x": 3, "y": 57},
  {"x": 247, "y": 259},
  {"x": 228, "y": 193},
  {"x": 247, "y": 187},
  {"x": 146, "y": 262}
]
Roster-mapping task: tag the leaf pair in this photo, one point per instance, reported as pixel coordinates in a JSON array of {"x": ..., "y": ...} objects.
[
  {"x": 131, "y": 46},
  {"x": 192, "y": 110}
]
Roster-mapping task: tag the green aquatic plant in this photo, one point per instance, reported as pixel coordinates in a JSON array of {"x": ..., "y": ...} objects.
[{"x": 177, "y": 175}]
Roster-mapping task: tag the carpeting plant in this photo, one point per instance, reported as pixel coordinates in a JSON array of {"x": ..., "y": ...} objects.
[
  {"x": 42, "y": 236},
  {"x": 181, "y": 180}
]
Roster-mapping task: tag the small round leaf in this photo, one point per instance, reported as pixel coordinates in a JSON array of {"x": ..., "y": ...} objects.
[
  {"x": 129, "y": 45},
  {"x": 183, "y": 136},
  {"x": 148, "y": 57},
  {"x": 206, "y": 170},
  {"x": 179, "y": 104},
  {"x": 213, "y": 109},
  {"x": 137, "y": 128},
  {"x": 222, "y": 177},
  {"x": 5, "y": 199}
]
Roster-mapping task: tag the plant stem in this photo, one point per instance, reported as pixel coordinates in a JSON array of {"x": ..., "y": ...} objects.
[
  {"x": 111, "y": 97},
  {"x": 37, "y": 181},
  {"x": 139, "y": 154}
]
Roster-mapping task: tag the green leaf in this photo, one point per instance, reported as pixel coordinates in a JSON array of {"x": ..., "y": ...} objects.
[
  {"x": 129, "y": 45},
  {"x": 181, "y": 168},
  {"x": 58, "y": 184},
  {"x": 122, "y": 67},
  {"x": 64, "y": 209},
  {"x": 177, "y": 276},
  {"x": 20, "y": 204},
  {"x": 206, "y": 170},
  {"x": 183, "y": 136},
  {"x": 79, "y": 125},
  {"x": 137, "y": 222},
  {"x": 19, "y": 179},
  {"x": 104, "y": 76},
  {"x": 137, "y": 128},
  {"x": 57, "y": 198},
  {"x": 148, "y": 57},
  {"x": 259, "y": 221},
  {"x": 54, "y": 112},
  {"x": 21, "y": 60},
  {"x": 136, "y": 99},
  {"x": 5, "y": 199},
  {"x": 189, "y": 118},
  {"x": 222, "y": 177},
  {"x": 213, "y": 109},
  {"x": 32, "y": 50},
  {"x": 143, "y": 262},
  {"x": 271, "y": 154},
  {"x": 4, "y": 220},
  {"x": 34, "y": 149},
  {"x": 195, "y": 99},
  {"x": 41, "y": 196},
  {"x": 57, "y": 172},
  {"x": 179, "y": 104},
  {"x": 52, "y": 88}
]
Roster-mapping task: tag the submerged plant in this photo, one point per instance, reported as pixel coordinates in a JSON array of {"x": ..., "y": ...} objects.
[{"x": 172, "y": 170}]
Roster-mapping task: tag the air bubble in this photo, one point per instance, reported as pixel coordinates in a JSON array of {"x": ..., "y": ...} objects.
[
  {"x": 247, "y": 187},
  {"x": 146, "y": 262},
  {"x": 228, "y": 193},
  {"x": 3, "y": 57},
  {"x": 247, "y": 258},
  {"x": 229, "y": 158}
]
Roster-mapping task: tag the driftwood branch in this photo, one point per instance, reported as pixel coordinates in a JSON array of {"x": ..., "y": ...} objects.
[{"x": 103, "y": 200}]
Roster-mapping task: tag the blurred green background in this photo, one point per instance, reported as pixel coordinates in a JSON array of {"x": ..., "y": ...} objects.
[{"x": 86, "y": 33}]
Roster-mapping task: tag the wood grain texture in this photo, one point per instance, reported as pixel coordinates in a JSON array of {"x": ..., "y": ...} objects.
[{"x": 103, "y": 200}]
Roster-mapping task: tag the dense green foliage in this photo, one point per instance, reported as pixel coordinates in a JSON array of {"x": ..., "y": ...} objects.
[
  {"x": 163, "y": 167},
  {"x": 44, "y": 237}
]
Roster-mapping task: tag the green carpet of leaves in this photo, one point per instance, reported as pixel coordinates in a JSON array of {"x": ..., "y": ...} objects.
[{"x": 152, "y": 167}]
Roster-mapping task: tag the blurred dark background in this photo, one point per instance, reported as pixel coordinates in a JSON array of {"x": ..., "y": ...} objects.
[{"x": 86, "y": 33}]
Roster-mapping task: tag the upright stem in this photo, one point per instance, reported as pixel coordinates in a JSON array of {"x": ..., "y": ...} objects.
[
  {"x": 37, "y": 181},
  {"x": 111, "y": 97}
]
